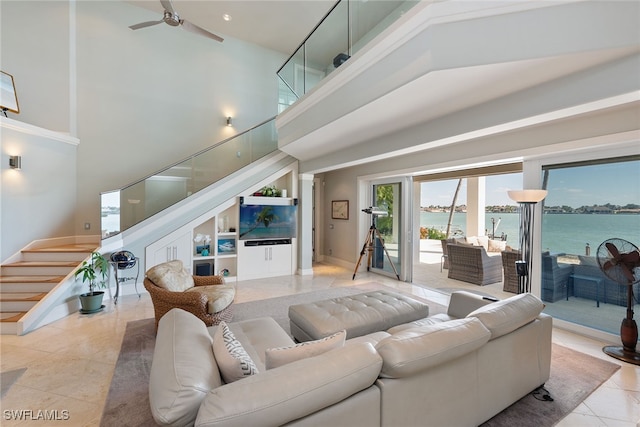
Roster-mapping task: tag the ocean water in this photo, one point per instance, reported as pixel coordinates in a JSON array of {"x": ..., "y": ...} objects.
[{"x": 568, "y": 233}]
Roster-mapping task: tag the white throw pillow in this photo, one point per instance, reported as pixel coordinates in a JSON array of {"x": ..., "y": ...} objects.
[
  {"x": 484, "y": 242},
  {"x": 472, "y": 240},
  {"x": 171, "y": 276},
  {"x": 233, "y": 361},
  {"x": 275, "y": 357},
  {"x": 497, "y": 246}
]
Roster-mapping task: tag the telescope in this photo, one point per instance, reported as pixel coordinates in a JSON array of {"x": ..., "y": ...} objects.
[{"x": 374, "y": 210}]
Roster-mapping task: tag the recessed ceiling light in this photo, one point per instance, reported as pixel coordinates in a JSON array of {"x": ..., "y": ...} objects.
[{"x": 226, "y": 17}]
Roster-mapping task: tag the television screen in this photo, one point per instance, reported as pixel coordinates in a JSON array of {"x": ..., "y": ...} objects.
[{"x": 267, "y": 222}]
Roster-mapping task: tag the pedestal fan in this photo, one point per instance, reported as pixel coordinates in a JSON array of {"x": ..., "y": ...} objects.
[{"x": 620, "y": 261}]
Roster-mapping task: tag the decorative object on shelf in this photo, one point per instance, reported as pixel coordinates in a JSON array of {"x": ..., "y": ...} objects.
[
  {"x": 340, "y": 209},
  {"x": 124, "y": 260},
  {"x": 95, "y": 272},
  {"x": 205, "y": 247},
  {"x": 224, "y": 272},
  {"x": 226, "y": 246},
  {"x": 8, "y": 97},
  {"x": 619, "y": 260},
  {"x": 527, "y": 200},
  {"x": 269, "y": 191}
]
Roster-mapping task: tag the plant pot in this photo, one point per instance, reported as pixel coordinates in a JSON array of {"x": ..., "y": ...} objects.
[{"x": 91, "y": 302}]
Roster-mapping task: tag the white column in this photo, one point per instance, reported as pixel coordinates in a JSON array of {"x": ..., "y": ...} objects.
[
  {"x": 305, "y": 228},
  {"x": 476, "y": 196}
]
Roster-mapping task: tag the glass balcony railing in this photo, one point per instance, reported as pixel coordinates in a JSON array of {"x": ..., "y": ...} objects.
[
  {"x": 347, "y": 28},
  {"x": 123, "y": 208}
]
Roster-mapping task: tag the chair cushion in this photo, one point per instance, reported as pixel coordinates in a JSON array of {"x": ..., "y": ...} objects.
[
  {"x": 233, "y": 361},
  {"x": 219, "y": 296},
  {"x": 171, "y": 276},
  {"x": 279, "y": 356}
]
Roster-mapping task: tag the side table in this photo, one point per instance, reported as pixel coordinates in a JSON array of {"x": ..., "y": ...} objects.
[{"x": 125, "y": 265}]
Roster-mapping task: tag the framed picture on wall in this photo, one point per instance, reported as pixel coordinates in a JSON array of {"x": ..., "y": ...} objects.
[
  {"x": 8, "y": 97},
  {"x": 340, "y": 209}
]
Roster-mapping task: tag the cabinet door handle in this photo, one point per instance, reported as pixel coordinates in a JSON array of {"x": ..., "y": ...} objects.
[
  {"x": 175, "y": 252},
  {"x": 168, "y": 253},
  {"x": 266, "y": 254}
]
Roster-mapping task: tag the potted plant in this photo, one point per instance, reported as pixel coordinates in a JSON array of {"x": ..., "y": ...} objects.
[
  {"x": 94, "y": 271},
  {"x": 270, "y": 191}
]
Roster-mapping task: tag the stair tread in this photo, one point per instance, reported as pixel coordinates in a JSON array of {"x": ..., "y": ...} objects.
[
  {"x": 11, "y": 316},
  {"x": 82, "y": 247},
  {"x": 21, "y": 296},
  {"x": 31, "y": 279},
  {"x": 42, "y": 264}
]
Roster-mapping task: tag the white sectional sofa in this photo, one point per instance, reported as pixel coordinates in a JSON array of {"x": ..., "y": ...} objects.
[{"x": 459, "y": 368}]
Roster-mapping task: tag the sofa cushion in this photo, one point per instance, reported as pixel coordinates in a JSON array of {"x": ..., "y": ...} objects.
[
  {"x": 219, "y": 297},
  {"x": 281, "y": 395},
  {"x": 183, "y": 370},
  {"x": 279, "y": 356},
  {"x": 171, "y": 276},
  {"x": 431, "y": 320},
  {"x": 413, "y": 350},
  {"x": 505, "y": 316},
  {"x": 233, "y": 361}
]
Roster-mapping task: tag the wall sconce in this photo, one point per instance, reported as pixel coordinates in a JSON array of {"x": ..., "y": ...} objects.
[
  {"x": 527, "y": 200},
  {"x": 229, "y": 122},
  {"x": 15, "y": 162}
]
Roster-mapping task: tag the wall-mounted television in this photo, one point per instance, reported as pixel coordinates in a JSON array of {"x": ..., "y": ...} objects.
[{"x": 267, "y": 222}]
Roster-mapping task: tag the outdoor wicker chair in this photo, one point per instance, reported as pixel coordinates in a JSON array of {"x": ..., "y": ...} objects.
[
  {"x": 472, "y": 264},
  {"x": 509, "y": 259}
]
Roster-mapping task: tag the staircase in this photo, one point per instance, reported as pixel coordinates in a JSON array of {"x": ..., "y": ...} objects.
[{"x": 27, "y": 277}]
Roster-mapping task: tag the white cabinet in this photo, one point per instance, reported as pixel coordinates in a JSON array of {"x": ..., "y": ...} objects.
[
  {"x": 264, "y": 260},
  {"x": 174, "y": 246}
]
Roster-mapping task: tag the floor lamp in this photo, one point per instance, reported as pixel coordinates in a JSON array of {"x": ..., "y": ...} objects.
[{"x": 527, "y": 200}]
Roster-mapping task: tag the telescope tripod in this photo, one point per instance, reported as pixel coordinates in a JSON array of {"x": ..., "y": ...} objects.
[{"x": 369, "y": 247}]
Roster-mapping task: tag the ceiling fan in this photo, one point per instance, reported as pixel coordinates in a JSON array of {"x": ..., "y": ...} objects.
[{"x": 172, "y": 18}]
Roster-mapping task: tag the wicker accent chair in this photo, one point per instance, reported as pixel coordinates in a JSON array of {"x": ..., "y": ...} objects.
[
  {"x": 472, "y": 264},
  {"x": 509, "y": 259},
  {"x": 206, "y": 297}
]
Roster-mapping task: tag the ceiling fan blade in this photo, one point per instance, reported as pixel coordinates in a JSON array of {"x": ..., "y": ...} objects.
[
  {"x": 613, "y": 250},
  {"x": 168, "y": 6},
  {"x": 201, "y": 31},
  {"x": 145, "y": 24}
]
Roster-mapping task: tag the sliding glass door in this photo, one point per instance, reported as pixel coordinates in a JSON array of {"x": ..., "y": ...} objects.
[{"x": 387, "y": 241}]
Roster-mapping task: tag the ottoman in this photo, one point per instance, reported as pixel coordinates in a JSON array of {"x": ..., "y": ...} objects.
[{"x": 358, "y": 314}]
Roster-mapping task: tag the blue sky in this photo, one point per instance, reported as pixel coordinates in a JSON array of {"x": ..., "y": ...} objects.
[{"x": 616, "y": 183}]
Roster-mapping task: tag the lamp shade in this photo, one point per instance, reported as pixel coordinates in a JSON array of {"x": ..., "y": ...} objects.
[{"x": 527, "y": 196}]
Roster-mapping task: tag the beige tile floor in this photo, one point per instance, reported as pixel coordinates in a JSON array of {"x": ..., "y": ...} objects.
[{"x": 70, "y": 362}]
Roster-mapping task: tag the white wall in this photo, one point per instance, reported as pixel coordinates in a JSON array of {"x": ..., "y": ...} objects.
[
  {"x": 38, "y": 201},
  {"x": 137, "y": 100}
]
